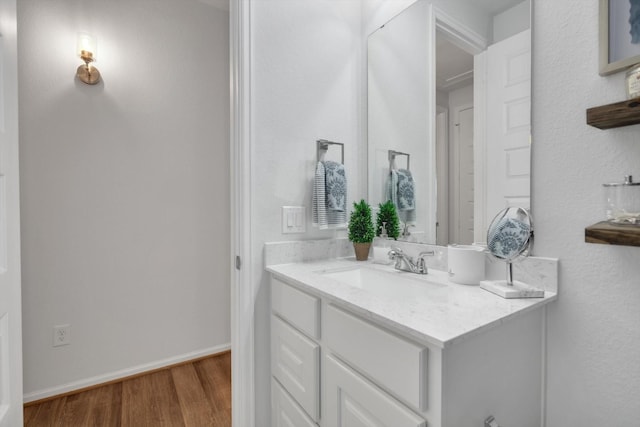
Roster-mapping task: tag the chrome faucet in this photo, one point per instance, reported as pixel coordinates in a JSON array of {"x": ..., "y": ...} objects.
[
  {"x": 405, "y": 263},
  {"x": 405, "y": 230}
]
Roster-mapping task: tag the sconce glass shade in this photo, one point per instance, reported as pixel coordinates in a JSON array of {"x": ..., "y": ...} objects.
[{"x": 87, "y": 49}]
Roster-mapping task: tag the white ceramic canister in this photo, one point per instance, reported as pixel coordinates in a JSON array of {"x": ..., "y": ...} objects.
[{"x": 466, "y": 264}]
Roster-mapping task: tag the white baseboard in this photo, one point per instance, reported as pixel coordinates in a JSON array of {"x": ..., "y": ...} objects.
[{"x": 105, "y": 378}]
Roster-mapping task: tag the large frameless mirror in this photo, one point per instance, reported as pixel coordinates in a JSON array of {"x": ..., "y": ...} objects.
[{"x": 449, "y": 90}]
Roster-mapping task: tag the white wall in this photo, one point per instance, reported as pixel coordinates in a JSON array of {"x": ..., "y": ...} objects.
[
  {"x": 124, "y": 186},
  {"x": 594, "y": 328},
  {"x": 306, "y": 74}
]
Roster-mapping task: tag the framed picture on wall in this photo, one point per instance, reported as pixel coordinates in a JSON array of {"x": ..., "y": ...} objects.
[{"x": 619, "y": 35}]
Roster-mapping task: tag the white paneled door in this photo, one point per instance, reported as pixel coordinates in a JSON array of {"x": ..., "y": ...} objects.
[
  {"x": 10, "y": 314},
  {"x": 509, "y": 123}
]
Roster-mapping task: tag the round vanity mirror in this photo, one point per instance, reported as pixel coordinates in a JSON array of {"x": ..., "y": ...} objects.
[
  {"x": 509, "y": 239},
  {"x": 510, "y": 234}
]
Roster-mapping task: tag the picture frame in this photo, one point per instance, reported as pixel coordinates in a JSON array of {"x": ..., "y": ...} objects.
[{"x": 617, "y": 51}]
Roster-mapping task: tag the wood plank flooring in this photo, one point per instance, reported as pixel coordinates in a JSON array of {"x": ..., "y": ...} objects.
[{"x": 194, "y": 394}]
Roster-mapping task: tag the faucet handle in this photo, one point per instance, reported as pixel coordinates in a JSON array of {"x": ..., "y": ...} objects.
[
  {"x": 405, "y": 229},
  {"x": 421, "y": 263},
  {"x": 423, "y": 254}
]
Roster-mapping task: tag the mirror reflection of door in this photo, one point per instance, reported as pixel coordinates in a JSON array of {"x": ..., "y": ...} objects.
[
  {"x": 508, "y": 144},
  {"x": 455, "y": 170}
]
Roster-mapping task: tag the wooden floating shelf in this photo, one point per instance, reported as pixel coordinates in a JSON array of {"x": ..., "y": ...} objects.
[
  {"x": 612, "y": 234},
  {"x": 610, "y": 116}
]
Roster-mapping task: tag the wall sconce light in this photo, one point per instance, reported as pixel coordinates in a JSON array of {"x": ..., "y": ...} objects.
[{"x": 87, "y": 49}]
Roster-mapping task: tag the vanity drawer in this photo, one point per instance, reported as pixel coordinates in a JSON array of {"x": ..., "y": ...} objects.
[
  {"x": 295, "y": 363},
  {"x": 395, "y": 363},
  {"x": 299, "y": 308},
  {"x": 351, "y": 400},
  {"x": 286, "y": 412}
]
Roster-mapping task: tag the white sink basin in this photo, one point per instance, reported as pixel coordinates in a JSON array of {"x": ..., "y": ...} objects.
[{"x": 383, "y": 283}]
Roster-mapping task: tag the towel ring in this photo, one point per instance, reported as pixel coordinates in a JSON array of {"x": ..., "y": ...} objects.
[
  {"x": 323, "y": 145},
  {"x": 392, "y": 156}
]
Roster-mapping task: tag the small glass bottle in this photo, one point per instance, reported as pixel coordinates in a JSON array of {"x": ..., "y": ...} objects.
[
  {"x": 633, "y": 82},
  {"x": 383, "y": 232},
  {"x": 381, "y": 247}
]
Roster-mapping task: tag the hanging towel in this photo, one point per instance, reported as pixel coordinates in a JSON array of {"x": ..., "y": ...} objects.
[
  {"x": 318, "y": 207},
  {"x": 401, "y": 192},
  {"x": 336, "y": 186},
  {"x": 406, "y": 191},
  {"x": 329, "y": 201}
]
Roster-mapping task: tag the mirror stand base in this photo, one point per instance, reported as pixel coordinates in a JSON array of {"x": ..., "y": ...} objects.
[{"x": 517, "y": 290}]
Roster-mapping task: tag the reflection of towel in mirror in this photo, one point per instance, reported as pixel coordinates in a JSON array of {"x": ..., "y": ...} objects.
[
  {"x": 508, "y": 238},
  {"x": 329, "y": 198},
  {"x": 401, "y": 192}
]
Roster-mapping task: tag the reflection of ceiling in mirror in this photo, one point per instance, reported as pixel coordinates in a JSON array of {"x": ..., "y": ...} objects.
[
  {"x": 496, "y": 6},
  {"x": 454, "y": 66}
]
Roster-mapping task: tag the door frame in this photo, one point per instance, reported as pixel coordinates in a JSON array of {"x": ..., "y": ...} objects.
[
  {"x": 11, "y": 371},
  {"x": 242, "y": 295},
  {"x": 480, "y": 220},
  {"x": 442, "y": 174}
]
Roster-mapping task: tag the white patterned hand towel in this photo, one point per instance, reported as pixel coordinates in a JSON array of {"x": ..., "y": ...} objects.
[
  {"x": 336, "y": 186},
  {"x": 329, "y": 200}
]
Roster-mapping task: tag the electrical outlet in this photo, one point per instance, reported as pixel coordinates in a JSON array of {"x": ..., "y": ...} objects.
[{"x": 61, "y": 335}]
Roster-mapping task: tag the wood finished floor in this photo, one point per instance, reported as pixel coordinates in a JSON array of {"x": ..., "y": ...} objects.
[{"x": 195, "y": 394}]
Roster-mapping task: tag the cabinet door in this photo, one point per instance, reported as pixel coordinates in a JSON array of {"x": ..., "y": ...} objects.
[
  {"x": 396, "y": 364},
  {"x": 295, "y": 363},
  {"x": 298, "y": 308},
  {"x": 286, "y": 412},
  {"x": 352, "y": 401}
]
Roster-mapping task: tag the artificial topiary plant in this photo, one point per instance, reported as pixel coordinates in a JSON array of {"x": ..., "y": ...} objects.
[
  {"x": 360, "y": 224},
  {"x": 361, "y": 231},
  {"x": 387, "y": 214}
]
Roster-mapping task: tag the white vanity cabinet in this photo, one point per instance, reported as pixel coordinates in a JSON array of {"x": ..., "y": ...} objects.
[
  {"x": 295, "y": 356},
  {"x": 333, "y": 365}
]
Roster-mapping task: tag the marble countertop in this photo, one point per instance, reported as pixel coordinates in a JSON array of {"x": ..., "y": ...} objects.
[{"x": 442, "y": 316}]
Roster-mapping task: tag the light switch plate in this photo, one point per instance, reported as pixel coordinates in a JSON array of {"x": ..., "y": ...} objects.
[{"x": 294, "y": 219}]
